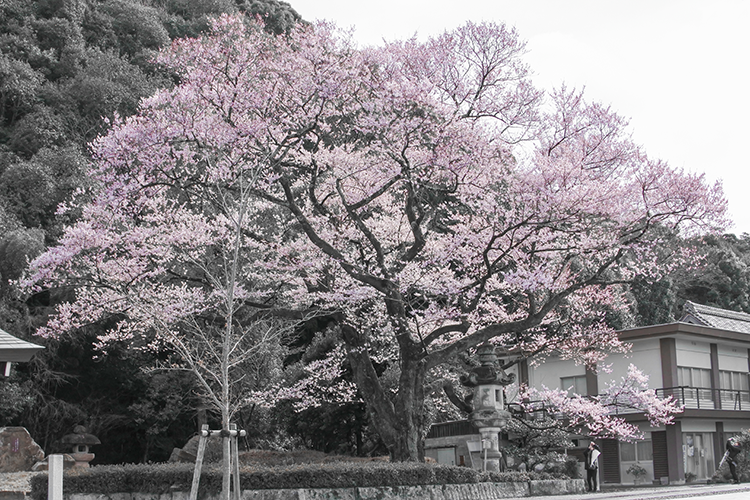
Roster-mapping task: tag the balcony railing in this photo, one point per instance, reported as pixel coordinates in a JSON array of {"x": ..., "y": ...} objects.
[
  {"x": 686, "y": 397},
  {"x": 706, "y": 398}
]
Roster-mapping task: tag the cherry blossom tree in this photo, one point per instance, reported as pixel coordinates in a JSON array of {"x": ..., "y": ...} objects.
[
  {"x": 422, "y": 193},
  {"x": 597, "y": 416}
]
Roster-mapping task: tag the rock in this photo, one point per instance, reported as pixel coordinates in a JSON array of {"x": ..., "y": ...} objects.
[
  {"x": 18, "y": 452},
  {"x": 189, "y": 452},
  {"x": 180, "y": 455}
]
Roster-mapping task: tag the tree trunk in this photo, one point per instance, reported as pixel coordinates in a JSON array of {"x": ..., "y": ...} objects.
[{"x": 399, "y": 420}]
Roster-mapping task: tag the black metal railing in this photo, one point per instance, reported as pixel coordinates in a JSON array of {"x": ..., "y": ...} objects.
[
  {"x": 684, "y": 396},
  {"x": 707, "y": 398},
  {"x": 533, "y": 410}
]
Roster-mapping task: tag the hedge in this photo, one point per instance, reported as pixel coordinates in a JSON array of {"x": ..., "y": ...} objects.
[{"x": 163, "y": 478}]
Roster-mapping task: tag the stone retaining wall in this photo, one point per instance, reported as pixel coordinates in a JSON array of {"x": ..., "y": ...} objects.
[{"x": 476, "y": 491}]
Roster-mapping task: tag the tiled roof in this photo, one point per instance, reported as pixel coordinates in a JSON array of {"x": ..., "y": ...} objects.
[
  {"x": 16, "y": 350},
  {"x": 724, "y": 319}
]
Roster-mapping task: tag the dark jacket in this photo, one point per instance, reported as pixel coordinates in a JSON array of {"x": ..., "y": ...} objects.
[
  {"x": 589, "y": 462},
  {"x": 732, "y": 449}
]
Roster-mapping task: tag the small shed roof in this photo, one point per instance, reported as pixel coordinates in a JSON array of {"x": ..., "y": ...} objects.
[
  {"x": 718, "y": 318},
  {"x": 15, "y": 350}
]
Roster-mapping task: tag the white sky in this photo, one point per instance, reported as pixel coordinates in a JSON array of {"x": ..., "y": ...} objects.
[{"x": 678, "y": 69}]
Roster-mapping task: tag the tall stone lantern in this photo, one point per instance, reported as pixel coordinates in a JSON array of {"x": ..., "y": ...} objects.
[{"x": 489, "y": 414}]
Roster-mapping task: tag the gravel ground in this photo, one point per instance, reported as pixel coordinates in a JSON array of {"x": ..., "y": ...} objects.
[{"x": 17, "y": 481}]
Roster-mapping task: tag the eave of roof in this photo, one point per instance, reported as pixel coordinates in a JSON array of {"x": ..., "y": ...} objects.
[
  {"x": 15, "y": 350},
  {"x": 669, "y": 329},
  {"x": 718, "y": 318}
]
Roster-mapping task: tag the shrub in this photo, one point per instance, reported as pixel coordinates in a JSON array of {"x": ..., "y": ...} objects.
[{"x": 163, "y": 478}]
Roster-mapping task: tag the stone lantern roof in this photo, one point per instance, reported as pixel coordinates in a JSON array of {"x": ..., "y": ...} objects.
[
  {"x": 80, "y": 436},
  {"x": 488, "y": 372}
]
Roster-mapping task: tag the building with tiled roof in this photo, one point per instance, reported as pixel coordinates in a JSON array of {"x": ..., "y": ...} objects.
[
  {"x": 15, "y": 350},
  {"x": 702, "y": 361},
  {"x": 698, "y": 314}
]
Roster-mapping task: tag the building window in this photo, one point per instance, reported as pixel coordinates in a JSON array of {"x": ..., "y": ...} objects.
[
  {"x": 574, "y": 385},
  {"x": 693, "y": 377},
  {"x": 640, "y": 451},
  {"x": 735, "y": 387},
  {"x": 733, "y": 381}
]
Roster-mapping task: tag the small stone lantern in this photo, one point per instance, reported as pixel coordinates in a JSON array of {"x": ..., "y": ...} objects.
[
  {"x": 489, "y": 414},
  {"x": 81, "y": 441}
]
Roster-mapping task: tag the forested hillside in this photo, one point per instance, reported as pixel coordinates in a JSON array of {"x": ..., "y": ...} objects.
[{"x": 66, "y": 68}]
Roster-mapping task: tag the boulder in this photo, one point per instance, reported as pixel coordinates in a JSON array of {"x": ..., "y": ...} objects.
[
  {"x": 18, "y": 452},
  {"x": 189, "y": 452}
]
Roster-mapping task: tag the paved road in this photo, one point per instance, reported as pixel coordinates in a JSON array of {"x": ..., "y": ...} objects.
[{"x": 711, "y": 491}]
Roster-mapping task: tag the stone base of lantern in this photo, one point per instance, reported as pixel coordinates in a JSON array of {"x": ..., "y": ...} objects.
[
  {"x": 492, "y": 453},
  {"x": 82, "y": 459}
]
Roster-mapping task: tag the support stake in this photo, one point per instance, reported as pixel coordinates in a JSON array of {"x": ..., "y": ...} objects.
[
  {"x": 199, "y": 462},
  {"x": 55, "y": 478}
]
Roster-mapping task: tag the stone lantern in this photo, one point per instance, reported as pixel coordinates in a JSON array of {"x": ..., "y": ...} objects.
[
  {"x": 489, "y": 414},
  {"x": 80, "y": 441}
]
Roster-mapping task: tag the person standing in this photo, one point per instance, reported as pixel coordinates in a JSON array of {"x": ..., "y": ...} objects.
[
  {"x": 733, "y": 449},
  {"x": 591, "y": 464}
]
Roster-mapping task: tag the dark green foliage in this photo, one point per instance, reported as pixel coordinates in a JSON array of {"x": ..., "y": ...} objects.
[
  {"x": 724, "y": 281},
  {"x": 29, "y": 190},
  {"x": 136, "y": 27},
  {"x": 278, "y": 16},
  {"x": 15, "y": 397},
  {"x": 66, "y": 68},
  {"x": 16, "y": 249},
  {"x": 333, "y": 428},
  {"x": 137, "y": 416},
  {"x": 32, "y": 189},
  {"x": 721, "y": 279},
  {"x": 19, "y": 85},
  {"x": 68, "y": 65},
  {"x": 42, "y": 128},
  {"x": 164, "y": 478}
]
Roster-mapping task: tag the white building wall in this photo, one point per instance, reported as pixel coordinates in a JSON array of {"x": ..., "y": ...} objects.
[
  {"x": 736, "y": 426},
  {"x": 693, "y": 353},
  {"x": 550, "y": 372},
  {"x": 645, "y": 355},
  {"x": 698, "y": 425},
  {"x": 733, "y": 359}
]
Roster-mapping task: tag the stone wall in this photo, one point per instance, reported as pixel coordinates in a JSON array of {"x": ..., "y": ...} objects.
[{"x": 478, "y": 491}]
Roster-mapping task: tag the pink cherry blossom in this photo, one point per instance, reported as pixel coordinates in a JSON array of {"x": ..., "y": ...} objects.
[{"x": 425, "y": 192}]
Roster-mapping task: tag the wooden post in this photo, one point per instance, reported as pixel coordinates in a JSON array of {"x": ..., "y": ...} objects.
[
  {"x": 55, "y": 478},
  {"x": 234, "y": 458},
  {"x": 199, "y": 462}
]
